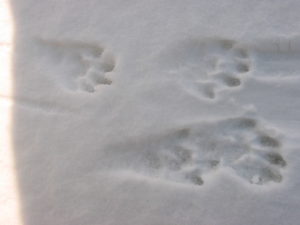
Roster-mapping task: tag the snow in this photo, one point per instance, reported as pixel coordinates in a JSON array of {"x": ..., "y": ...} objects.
[{"x": 151, "y": 112}]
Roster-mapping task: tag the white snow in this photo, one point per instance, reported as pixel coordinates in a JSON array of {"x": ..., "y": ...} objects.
[{"x": 152, "y": 112}]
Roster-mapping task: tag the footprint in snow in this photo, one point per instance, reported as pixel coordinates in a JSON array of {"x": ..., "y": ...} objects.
[
  {"x": 206, "y": 68},
  {"x": 242, "y": 144},
  {"x": 78, "y": 66}
]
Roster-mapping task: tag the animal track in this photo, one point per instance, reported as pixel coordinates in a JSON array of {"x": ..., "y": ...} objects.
[
  {"x": 240, "y": 143},
  {"x": 79, "y": 65},
  {"x": 210, "y": 66},
  {"x": 207, "y": 67}
]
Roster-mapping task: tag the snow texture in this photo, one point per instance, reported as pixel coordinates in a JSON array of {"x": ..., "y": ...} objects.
[{"x": 156, "y": 112}]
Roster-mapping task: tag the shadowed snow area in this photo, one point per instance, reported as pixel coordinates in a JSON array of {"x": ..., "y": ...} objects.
[{"x": 156, "y": 112}]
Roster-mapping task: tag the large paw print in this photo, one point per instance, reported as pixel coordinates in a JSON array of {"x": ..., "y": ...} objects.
[
  {"x": 79, "y": 65},
  {"x": 241, "y": 144}
]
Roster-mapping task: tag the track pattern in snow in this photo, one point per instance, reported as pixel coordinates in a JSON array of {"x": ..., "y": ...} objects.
[{"x": 207, "y": 68}]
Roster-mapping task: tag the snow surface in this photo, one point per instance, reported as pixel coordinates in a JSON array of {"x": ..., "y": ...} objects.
[{"x": 156, "y": 112}]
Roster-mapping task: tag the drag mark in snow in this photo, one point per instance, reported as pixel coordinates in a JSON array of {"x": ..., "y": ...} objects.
[
  {"x": 36, "y": 105},
  {"x": 275, "y": 58},
  {"x": 242, "y": 144},
  {"x": 79, "y": 65}
]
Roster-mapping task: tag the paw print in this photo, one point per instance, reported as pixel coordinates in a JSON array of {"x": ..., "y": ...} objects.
[
  {"x": 205, "y": 68},
  {"x": 79, "y": 66},
  {"x": 242, "y": 144}
]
